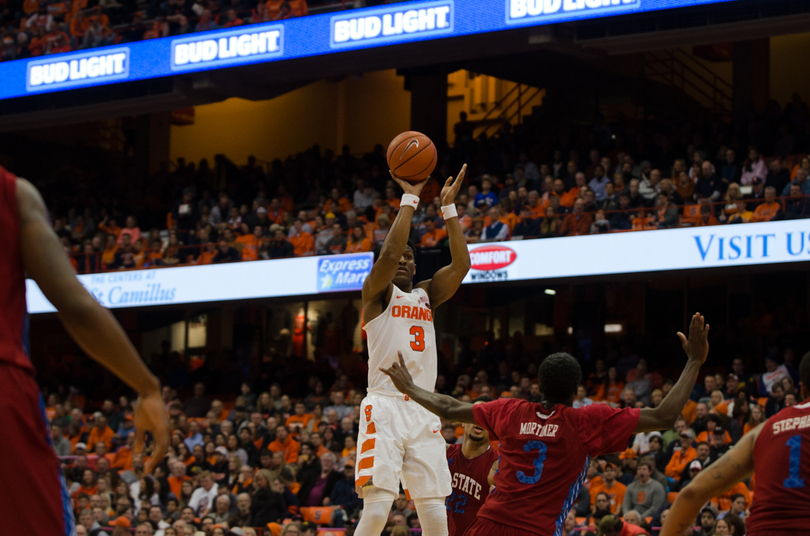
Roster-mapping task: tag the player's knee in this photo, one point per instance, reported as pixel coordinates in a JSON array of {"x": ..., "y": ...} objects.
[
  {"x": 429, "y": 502},
  {"x": 376, "y": 495}
]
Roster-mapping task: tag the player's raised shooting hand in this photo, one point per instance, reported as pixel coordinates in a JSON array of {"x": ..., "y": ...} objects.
[
  {"x": 399, "y": 374},
  {"x": 697, "y": 346},
  {"x": 451, "y": 187},
  {"x": 408, "y": 187},
  {"x": 150, "y": 416}
]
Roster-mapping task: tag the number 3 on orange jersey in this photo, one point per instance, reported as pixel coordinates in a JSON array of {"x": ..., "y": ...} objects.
[{"x": 418, "y": 343}]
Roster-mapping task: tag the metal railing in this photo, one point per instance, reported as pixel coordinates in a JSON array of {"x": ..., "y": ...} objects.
[
  {"x": 521, "y": 95},
  {"x": 678, "y": 69}
]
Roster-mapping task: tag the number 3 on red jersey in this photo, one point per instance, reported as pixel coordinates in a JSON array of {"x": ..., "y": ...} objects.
[{"x": 418, "y": 343}]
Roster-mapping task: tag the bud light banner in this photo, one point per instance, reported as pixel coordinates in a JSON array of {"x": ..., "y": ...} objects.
[{"x": 315, "y": 35}]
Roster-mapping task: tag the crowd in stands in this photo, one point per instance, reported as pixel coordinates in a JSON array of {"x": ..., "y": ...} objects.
[
  {"x": 319, "y": 203},
  {"x": 279, "y": 458},
  {"x": 30, "y": 28}
]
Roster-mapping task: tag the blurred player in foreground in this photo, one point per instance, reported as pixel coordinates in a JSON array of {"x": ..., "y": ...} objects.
[
  {"x": 399, "y": 441},
  {"x": 778, "y": 450},
  {"x": 545, "y": 449},
  {"x": 472, "y": 465},
  {"x": 38, "y": 501}
]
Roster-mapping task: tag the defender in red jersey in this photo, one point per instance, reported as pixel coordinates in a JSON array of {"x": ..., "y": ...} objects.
[
  {"x": 545, "y": 448},
  {"x": 39, "y": 498},
  {"x": 472, "y": 465},
  {"x": 778, "y": 450}
]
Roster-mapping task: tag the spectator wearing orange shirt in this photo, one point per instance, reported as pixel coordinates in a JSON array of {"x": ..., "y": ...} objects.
[
  {"x": 432, "y": 236},
  {"x": 769, "y": 209},
  {"x": 337, "y": 202},
  {"x": 302, "y": 241},
  {"x": 611, "y": 390},
  {"x": 391, "y": 197},
  {"x": 507, "y": 216},
  {"x": 536, "y": 208},
  {"x": 577, "y": 223},
  {"x": 358, "y": 240},
  {"x": 110, "y": 226},
  {"x": 251, "y": 244},
  {"x": 299, "y": 420},
  {"x": 122, "y": 459},
  {"x": 706, "y": 217},
  {"x": 101, "y": 432},
  {"x": 681, "y": 456},
  {"x": 610, "y": 487},
  {"x": 567, "y": 199},
  {"x": 285, "y": 444},
  {"x": 725, "y": 500},
  {"x": 207, "y": 256}
]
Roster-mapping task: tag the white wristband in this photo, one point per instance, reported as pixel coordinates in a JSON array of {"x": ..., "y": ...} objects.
[
  {"x": 409, "y": 200},
  {"x": 449, "y": 211}
]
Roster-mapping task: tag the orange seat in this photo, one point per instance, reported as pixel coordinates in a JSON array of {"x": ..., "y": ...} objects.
[
  {"x": 691, "y": 213},
  {"x": 671, "y": 496},
  {"x": 320, "y": 515}
]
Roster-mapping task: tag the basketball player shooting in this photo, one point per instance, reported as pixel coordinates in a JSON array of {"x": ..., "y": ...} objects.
[
  {"x": 39, "y": 500},
  {"x": 399, "y": 441}
]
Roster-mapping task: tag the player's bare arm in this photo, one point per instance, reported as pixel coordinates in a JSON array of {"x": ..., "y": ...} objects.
[
  {"x": 446, "y": 407},
  {"x": 446, "y": 280},
  {"x": 719, "y": 477},
  {"x": 491, "y": 476},
  {"x": 697, "y": 350},
  {"x": 92, "y": 326},
  {"x": 377, "y": 287}
]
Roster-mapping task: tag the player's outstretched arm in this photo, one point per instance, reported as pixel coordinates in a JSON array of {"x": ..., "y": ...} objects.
[
  {"x": 446, "y": 281},
  {"x": 446, "y": 407},
  {"x": 379, "y": 280},
  {"x": 697, "y": 350},
  {"x": 733, "y": 466},
  {"x": 92, "y": 326}
]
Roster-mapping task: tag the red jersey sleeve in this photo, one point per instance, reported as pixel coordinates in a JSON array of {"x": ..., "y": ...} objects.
[
  {"x": 492, "y": 416},
  {"x": 606, "y": 430}
]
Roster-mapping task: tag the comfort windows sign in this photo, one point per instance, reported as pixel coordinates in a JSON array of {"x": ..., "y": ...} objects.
[
  {"x": 537, "y": 10},
  {"x": 227, "y": 48},
  {"x": 393, "y": 24},
  {"x": 78, "y": 69}
]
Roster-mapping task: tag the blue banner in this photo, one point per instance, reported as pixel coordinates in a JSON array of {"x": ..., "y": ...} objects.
[
  {"x": 302, "y": 37},
  {"x": 347, "y": 272}
]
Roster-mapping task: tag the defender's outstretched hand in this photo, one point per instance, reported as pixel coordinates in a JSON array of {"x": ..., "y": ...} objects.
[
  {"x": 697, "y": 346},
  {"x": 399, "y": 374},
  {"x": 451, "y": 187}
]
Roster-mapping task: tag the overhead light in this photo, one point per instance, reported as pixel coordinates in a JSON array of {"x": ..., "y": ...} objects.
[
  {"x": 614, "y": 328},
  {"x": 550, "y": 291}
]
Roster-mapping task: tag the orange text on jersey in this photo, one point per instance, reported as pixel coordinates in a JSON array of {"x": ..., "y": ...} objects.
[{"x": 414, "y": 313}]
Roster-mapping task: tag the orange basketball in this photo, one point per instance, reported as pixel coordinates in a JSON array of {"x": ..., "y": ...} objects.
[{"x": 412, "y": 156}]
